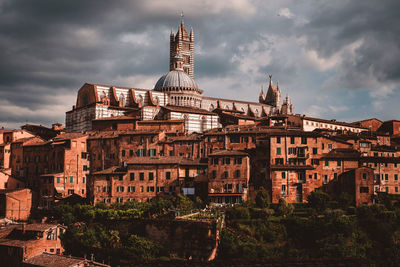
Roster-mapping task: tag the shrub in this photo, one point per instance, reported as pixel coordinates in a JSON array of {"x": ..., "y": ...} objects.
[
  {"x": 284, "y": 209},
  {"x": 238, "y": 212},
  {"x": 262, "y": 198},
  {"x": 318, "y": 200}
]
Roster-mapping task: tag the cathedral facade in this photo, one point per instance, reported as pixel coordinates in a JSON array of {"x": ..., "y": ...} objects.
[{"x": 175, "y": 96}]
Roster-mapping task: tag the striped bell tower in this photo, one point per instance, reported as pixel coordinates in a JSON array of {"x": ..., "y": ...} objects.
[{"x": 182, "y": 44}]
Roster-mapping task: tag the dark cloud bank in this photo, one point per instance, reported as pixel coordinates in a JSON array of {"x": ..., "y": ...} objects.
[{"x": 48, "y": 49}]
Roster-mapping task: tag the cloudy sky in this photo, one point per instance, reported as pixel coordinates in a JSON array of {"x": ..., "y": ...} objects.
[{"x": 336, "y": 59}]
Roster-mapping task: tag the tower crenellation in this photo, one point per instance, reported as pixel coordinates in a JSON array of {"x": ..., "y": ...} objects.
[{"x": 183, "y": 43}]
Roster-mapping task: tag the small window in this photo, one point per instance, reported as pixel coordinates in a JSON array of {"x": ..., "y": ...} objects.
[
  {"x": 83, "y": 180},
  {"x": 168, "y": 175},
  {"x": 123, "y": 153},
  {"x": 132, "y": 176},
  {"x": 364, "y": 176},
  {"x": 71, "y": 179},
  {"x": 237, "y": 174},
  {"x": 304, "y": 140},
  {"x": 339, "y": 163},
  {"x": 151, "y": 176},
  {"x": 364, "y": 189},
  {"x": 396, "y": 177},
  {"x": 214, "y": 174},
  {"x": 292, "y": 140},
  {"x": 226, "y": 174},
  {"x": 278, "y": 151},
  {"x": 326, "y": 163},
  {"x": 278, "y": 140},
  {"x": 238, "y": 161},
  {"x": 283, "y": 175},
  {"x": 283, "y": 189},
  {"x": 315, "y": 151},
  {"x": 141, "y": 176}
]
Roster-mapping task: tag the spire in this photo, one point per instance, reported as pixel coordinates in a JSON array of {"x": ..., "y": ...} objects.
[
  {"x": 277, "y": 86},
  {"x": 261, "y": 98},
  {"x": 271, "y": 96},
  {"x": 172, "y": 33},
  {"x": 271, "y": 85},
  {"x": 191, "y": 34}
]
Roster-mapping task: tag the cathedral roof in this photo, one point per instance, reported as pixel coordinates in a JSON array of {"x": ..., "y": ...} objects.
[{"x": 176, "y": 80}]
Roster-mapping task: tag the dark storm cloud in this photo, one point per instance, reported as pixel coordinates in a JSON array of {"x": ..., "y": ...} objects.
[
  {"x": 335, "y": 24},
  {"x": 48, "y": 49}
]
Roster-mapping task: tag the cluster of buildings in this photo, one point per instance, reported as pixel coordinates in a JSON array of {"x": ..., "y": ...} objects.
[{"x": 122, "y": 144}]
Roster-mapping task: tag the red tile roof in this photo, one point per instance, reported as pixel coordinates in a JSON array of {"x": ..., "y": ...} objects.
[
  {"x": 50, "y": 260},
  {"x": 189, "y": 110}
]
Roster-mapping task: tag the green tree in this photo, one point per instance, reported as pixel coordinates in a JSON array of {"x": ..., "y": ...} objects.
[
  {"x": 262, "y": 198},
  {"x": 318, "y": 200},
  {"x": 284, "y": 209}
]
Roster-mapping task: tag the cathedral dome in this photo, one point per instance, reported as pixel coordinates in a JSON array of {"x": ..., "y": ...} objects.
[{"x": 176, "y": 80}]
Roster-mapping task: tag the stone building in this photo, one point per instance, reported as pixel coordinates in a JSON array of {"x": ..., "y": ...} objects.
[
  {"x": 53, "y": 169},
  {"x": 15, "y": 204},
  {"x": 143, "y": 179},
  {"x": 228, "y": 176},
  {"x": 175, "y": 96},
  {"x": 28, "y": 240}
]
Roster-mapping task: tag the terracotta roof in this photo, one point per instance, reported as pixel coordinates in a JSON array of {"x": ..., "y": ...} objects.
[
  {"x": 69, "y": 136},
  {"x": 111, "y": 170},
  {"x": 39, "y": 227},
  {"x": 342, "y": 153},
  {"x": 189, "y": 110},
  {"x": 114, "y": 134},
  {"x": 192, "y": 137},
  {"x": 380, "y": 159},
  {"x": 15, "y": 242},
  {"x": 50, "y": 260},
  {"x": 238, "y": 115},
  {"x": 29, "y": 140},
  {"x": 160, "y": 121},
  {"x": 228, "y": 153}
]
